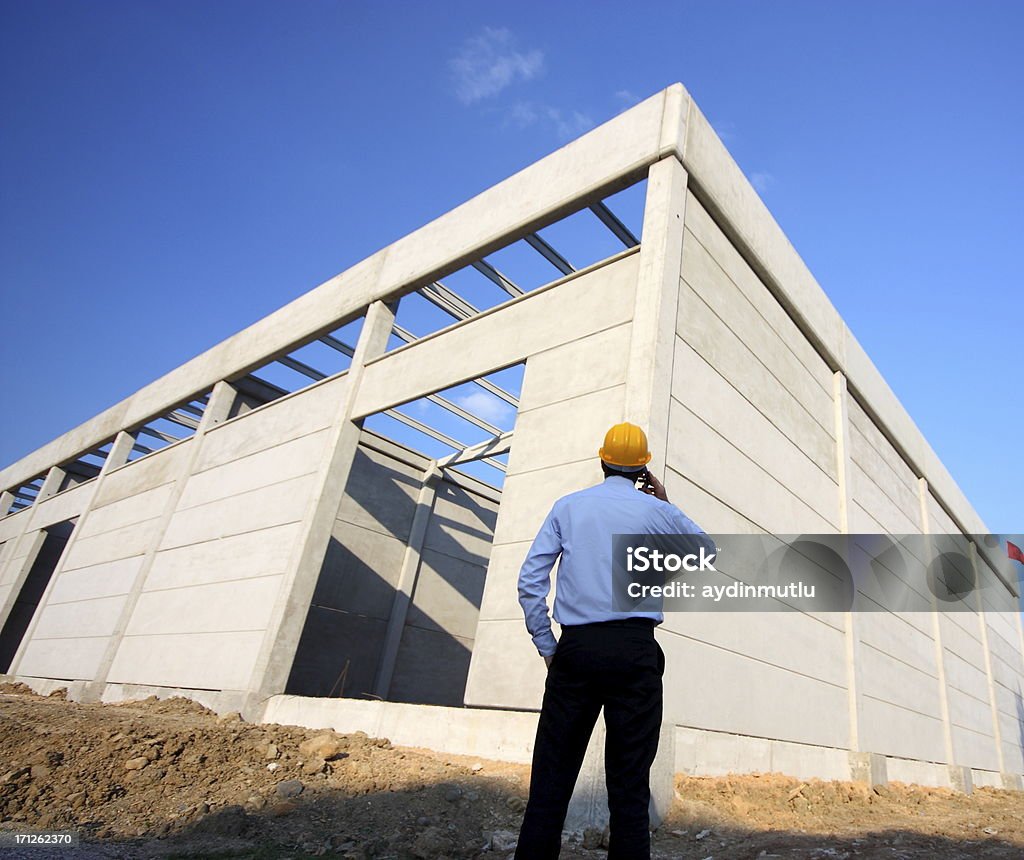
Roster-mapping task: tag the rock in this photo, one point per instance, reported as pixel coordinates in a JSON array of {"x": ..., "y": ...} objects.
[
  {"x": 289, "y": 788},
  {"x": 516, "y": 804},
  {"x": 314, "y": 766},
  {"x": 230, "y": 717},
  {"x": 273, "y": 766},
  {"x": 702, "y": 834},
  {"x": 453, "y": 794},
  {"x": 797, "y": 792},
  {"x": 592, "y": 838},
  {"x": 231, "y": 821},
  {"x": 472, "y": 796},
  {"x": 285, "y": 807},
  {"x": 40, "y": 771},
  {"x": 476, "y": 767},
  {"x": 503, "y": 840},
  {"x": 432, "y": 843},
  {"x": 136, "y": 763},
  {"x": 326, "y": 746},
  {"x": 272, "y": 752}
]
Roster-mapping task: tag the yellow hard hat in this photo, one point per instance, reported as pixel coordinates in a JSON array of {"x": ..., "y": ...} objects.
[{"x": 625, "y": 446}]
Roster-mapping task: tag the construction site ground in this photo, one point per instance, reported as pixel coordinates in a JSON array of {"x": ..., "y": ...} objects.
[{"x": 172, "y": 779}]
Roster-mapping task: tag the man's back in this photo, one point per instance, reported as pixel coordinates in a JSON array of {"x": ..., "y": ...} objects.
[{"x": 579, "y": 528}]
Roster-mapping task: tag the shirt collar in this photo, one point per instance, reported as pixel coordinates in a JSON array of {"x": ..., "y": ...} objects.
[{"x": 620, "y": 482}]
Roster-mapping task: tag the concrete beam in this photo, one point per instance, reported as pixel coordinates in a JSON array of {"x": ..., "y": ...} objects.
[{"x": 589, "y": 300}]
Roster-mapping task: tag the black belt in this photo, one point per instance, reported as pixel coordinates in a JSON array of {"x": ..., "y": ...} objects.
[{"x": 615, "y": 622}]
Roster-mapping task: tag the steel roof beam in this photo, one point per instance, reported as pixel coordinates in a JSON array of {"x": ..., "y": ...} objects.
[
  {"x": 549, "y": 253},
  {"x": 609, "y": 219},
  {"x": 496, "y": 277}
]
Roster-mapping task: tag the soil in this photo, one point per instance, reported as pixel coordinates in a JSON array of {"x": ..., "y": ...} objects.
[{"x": 169, "y": 778}]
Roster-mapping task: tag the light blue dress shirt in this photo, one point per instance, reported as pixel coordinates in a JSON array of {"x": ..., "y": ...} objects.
[{"x": 579, "y": 528}]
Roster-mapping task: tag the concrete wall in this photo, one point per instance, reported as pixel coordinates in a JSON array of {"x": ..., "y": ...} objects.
[
  {"x": 439, "y": 633},
  {"x": 355, "y": 597},
  {"x": 751, "y": 446},
  {"x": 219, "y": 566}
]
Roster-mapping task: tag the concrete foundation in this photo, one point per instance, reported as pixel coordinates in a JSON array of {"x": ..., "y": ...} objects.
[{"x": 282, "y": 555}]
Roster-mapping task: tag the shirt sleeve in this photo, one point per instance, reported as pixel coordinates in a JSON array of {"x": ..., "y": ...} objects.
[
  {"x": 535, "y": 583},
  {"x": 685, "y": 526}
]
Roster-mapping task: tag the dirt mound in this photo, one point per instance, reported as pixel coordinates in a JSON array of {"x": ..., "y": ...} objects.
[
  {"x": 169, "y": 777},
  {"x": 17, "y": 688},
  {"x": 175, "y": 706},
  {"x": 163, "y": 773}
]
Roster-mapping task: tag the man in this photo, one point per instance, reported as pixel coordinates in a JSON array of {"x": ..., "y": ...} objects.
[{"x": 603, "y": 658}]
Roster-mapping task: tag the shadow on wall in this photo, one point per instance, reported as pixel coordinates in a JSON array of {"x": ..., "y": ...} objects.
[
  {"x": 344, "y": 638},
  {"x": 32, "y": 591}
]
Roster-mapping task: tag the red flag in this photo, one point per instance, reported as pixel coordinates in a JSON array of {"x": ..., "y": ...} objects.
[{"x": 1015, "y": 552}]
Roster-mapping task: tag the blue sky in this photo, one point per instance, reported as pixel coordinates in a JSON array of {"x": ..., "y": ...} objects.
[{"x": 171, "y": 172}]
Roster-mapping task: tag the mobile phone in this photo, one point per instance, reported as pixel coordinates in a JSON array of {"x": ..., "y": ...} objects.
[{"x": 643, "y": 481}]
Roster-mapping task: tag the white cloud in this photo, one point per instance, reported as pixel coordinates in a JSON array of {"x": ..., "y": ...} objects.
[
  {"x": 565, "y": 124},
  {"x": 569, "y": 124},
  {"x": 489, "y": 62},
  {"x": 627, "y": 97},
  {"x": 522, "y": 114},
  {"x": 762, "y": 180},
  {"x": 485, "y": 406},
  {"x": 726, "y": 131}
]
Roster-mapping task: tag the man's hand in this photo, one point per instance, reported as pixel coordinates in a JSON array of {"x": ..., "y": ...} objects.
[
  {"x": 548, "y": 659},
  {"x": 656, "y": 489}
]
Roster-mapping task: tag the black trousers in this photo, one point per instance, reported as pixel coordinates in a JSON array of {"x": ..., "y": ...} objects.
[{"x": 618, "y": 665}]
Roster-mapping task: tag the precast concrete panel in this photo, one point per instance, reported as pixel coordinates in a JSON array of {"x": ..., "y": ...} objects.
[
  {"x": 64, "y": 506},
  {"x": 251, "y": 489}
]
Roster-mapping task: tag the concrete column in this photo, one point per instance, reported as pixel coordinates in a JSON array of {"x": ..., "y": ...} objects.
[
  {"x": 652, "y": 344},
  {"x": 119, "y": 452},
  {"x": 983, "y": 629},
  {"x": 959, "y": 777},
  {"x": 869, "y": 768},
  {"x": 589, "y": 804},
  {"x": 217, "y": 407},
  {"x": 277, "y": 654},
  {"x": 6, "y": 500},
  {"x": 843, "y": 468},
  {"x": 51, "y": 486},
  {"x": 406, "y": 582}
]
